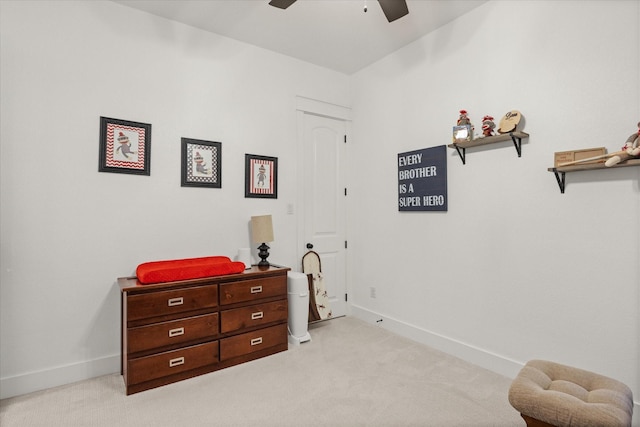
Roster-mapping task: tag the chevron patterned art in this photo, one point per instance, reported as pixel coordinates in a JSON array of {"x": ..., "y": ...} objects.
[{"x": 125, "y": 146}]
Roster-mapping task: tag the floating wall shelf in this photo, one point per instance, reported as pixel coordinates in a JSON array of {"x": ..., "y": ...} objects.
[
  {"x": 516, "y": 137},
  {"x": 561, "y": 171}
]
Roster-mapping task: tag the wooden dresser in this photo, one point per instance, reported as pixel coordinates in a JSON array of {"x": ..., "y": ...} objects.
[{"x": 177, "y": 330}]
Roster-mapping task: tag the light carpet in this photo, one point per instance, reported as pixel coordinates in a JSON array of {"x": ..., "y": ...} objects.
[{"x": 351, "y": 374}]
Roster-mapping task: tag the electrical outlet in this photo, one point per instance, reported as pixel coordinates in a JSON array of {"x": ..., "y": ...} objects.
[{"x": 372, "y": 292}]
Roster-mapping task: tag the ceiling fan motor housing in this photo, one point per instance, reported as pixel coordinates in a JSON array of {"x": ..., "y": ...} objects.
[{"x": 393, "y": 9}]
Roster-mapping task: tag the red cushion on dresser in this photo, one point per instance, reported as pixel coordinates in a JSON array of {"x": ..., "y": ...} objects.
[{"x": 185, "y": 269}]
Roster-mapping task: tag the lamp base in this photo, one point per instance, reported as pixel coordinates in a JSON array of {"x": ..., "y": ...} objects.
[{"x": 263, "y": 254}]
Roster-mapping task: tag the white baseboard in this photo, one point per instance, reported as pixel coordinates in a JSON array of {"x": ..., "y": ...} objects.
[
  {"x": 41, "y": 380},
  {"x": 477, "y": 356},
  {"x": 61, "y": 375},
  {"x": 493, "y": 362}
]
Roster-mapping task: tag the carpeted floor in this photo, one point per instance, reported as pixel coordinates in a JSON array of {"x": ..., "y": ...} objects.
[{"x": 351, "y": 374}]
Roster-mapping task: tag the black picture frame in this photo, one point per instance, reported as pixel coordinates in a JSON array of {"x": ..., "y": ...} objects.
[
  {"x": 260, "y": 176},
  {"x": 201, "y": 163},
  {"x": 125, "y": 146}
]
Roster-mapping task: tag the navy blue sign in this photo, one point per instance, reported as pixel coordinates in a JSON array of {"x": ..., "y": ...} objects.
[{"x": 422, "y": 180}]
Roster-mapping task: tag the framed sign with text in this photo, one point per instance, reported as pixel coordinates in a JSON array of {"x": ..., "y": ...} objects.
[{"x": 422, "y": 180}]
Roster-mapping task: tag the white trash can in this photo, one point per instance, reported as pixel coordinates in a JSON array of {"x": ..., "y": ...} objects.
[{"x": 298, "y": 293}]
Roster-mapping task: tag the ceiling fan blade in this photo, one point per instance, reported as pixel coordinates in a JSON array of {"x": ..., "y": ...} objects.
[
  {"x": 394, "y": 9},
  {"x": 282, "y": 4}
]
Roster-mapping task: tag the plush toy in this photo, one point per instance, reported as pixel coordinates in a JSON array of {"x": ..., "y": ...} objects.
[
  {"x": 631, "y": 150},
  {"x": 463, "y": 131},
  {"x": 487, "y": 126},
  {"x": 463, "y": 119}
]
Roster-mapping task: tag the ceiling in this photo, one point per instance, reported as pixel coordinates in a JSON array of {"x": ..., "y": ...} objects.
[{"x": 336, "y": 34}]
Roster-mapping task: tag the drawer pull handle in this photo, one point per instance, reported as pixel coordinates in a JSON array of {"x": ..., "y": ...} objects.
[
  {"x": 176, "y": 362},
  {"x": 175, "y": 332},
  {"x": 257, "y": 315},
  {"x": 256, "y": 289},
  {"x": 175, "y": 301},
  {"x": 256, "y": 341}
]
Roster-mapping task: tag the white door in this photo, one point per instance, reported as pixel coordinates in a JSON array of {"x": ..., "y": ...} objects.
[{"x": 324, "y": 202}]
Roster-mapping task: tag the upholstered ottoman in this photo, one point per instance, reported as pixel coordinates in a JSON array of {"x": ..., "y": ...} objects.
[{"x": 550, "y": 394}]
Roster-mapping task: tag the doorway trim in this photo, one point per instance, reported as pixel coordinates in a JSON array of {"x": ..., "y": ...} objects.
[{"x": 305, "y": 105}]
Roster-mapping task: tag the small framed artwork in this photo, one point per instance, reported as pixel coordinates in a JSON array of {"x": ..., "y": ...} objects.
[
  {"x": 201, "y": 163},
  {"x": 125, "y": 147},
  {"x": 463, "y": 133},
  {"x": 260, "y": 176}
]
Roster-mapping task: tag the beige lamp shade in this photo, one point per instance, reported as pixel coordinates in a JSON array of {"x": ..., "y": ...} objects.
[{"x": 261, "y": 229}]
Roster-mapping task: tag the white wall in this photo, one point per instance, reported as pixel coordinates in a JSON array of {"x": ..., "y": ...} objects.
[
  {"x": 514, "y": 270},
  {"x": 68, "y": 231}
]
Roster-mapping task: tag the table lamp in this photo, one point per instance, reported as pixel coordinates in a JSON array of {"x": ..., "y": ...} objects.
[{"x": 262, "y": 232}]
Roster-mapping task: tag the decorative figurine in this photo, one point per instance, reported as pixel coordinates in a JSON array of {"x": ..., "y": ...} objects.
[
  {"x": 487, "y": 126},
  {"x": 463, "y": 119},
  {"x": 631, "y": 150},
  {"x": 463, "y": 131}
]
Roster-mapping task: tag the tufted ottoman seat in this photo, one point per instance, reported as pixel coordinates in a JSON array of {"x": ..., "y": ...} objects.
[{"x": 550, "y": 394}]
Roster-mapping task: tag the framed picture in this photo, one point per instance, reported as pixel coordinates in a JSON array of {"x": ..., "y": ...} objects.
[
  {"x": 125, "y": 147},
  {"x": 260, "y": 176},
  {"x": 201, "y": 163},
  {"x": 462, "y": 133}
]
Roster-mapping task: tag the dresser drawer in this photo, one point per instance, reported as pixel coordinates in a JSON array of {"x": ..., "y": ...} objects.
[
  {"x": 250, "y": 290},
  {"x": 253, "y": 315},
  {"x": 253, "y": 341},
  {"x": 154, "y": 304},
  {"x": 173, "y": 332},
  {"x": 171, "y": 362}
]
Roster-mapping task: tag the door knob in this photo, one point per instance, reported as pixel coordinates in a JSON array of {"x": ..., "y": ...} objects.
[{"x": 309, "y": 246}]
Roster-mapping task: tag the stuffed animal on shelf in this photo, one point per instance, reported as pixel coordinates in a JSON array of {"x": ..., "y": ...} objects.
[
  {"x": 463, "y": 119},
  {"x": 487, "y": 126},
  {"x": 631, "y": 150},
  {"x": 463, "y": 131}
]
